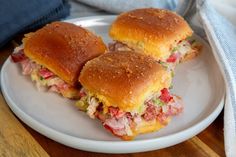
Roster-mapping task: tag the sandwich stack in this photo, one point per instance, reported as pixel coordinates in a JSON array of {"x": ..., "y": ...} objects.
[{"x": 127, "y": 86}]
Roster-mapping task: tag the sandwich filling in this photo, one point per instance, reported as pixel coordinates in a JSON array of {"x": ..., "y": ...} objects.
[
  {"x": 43, "y": 77},
  {"x": 159, "y": 107},
  {"x": 178, "y": 52}
]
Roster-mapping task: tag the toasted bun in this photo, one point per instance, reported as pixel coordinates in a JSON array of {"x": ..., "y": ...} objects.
[
  {"x": 147, "y": 127},
  {"x": 149, "y": 30},
  {"x": 63, "y": 48},
  {"x": 124, "y": 79}
]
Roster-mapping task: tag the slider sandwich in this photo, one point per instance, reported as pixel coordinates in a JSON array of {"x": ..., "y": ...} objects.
[
  {"x": 163, "y": 34},
  {"x": 128, "y": 92},
  {"x": 54, "y": 55}
]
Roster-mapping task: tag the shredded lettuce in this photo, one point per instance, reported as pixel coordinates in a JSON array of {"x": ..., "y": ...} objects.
[
  {"x": 175, "y": 49},
  {"x": 164, "y": 64}
]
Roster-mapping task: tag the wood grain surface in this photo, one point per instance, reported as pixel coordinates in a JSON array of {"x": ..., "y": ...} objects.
[{"x": 16, "y": 138}]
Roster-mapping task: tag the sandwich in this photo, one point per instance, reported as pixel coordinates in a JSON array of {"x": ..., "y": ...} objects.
[
  {"x": 128, "y": 92},
  {"x": 54, "y": 55},
  {"x": 160, "y": 33}
]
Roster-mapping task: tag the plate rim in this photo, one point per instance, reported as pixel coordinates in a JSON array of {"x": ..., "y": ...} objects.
[{"x": 89, "y": 144}]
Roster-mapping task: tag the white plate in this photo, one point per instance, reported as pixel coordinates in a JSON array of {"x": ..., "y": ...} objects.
[{"x": 199, "y": 82}]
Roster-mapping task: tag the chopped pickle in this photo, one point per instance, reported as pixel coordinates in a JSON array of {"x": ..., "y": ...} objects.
[
  {"x": 43, "y": 82},
  {"x": 141, "y": 109},
  {"x": 37, "y": 78},
  {"x": 34, "y": 76},
  {"x": 82, "y": 105},
  {"x": 172, "y": 73},
  {"x": 175, "y": 49},
  {"x": 158, "y": 102}
]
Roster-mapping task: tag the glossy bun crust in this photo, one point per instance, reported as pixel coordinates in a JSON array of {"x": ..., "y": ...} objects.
[
  {"x": 124, "y": 79},
  {"x": 63, "y": 48},
  {"x": 152, "y": 31}
]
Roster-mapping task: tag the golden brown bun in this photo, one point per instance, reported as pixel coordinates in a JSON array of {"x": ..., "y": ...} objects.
[
  {"x": 124, "y": 79},
  {"x": 63, "y": 48},
  {"x": 152, "y": 31},
  {"x": 147, "y": 127},
  {"x": 72, "y": 93}
]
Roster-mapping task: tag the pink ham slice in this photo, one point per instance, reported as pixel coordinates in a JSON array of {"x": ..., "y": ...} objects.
[
  {"x": 45, "y": 73},
  {"x": 19, "y": 56}
]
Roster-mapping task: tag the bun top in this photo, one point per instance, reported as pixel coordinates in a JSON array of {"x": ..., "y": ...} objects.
[
  {"x": 153, "y": 31},
  {"x": 63, "y": 48},
  {"x": 124, "y": 79}
]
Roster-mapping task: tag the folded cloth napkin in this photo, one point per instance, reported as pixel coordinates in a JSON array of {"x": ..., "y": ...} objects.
[
  {"x": 220, "y": 31},
  {"x": 21, "y": 15},
  {"x": 222, "y": 37}
]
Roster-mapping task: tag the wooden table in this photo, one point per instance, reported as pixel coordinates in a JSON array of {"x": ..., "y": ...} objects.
[{"x": 17, "y": 139}]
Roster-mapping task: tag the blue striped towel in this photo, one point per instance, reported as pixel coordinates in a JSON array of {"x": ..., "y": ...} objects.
[{"x": 222, "y": 38}]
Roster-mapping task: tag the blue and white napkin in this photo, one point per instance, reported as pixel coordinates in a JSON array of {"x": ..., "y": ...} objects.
[{"x": 222, "y": 37}]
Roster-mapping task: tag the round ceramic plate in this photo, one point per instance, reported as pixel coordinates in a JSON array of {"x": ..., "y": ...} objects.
[{"x": 199, "y": 82}]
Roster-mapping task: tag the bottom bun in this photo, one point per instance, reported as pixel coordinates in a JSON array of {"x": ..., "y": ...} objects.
[{"x": 146, "y": 127}]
